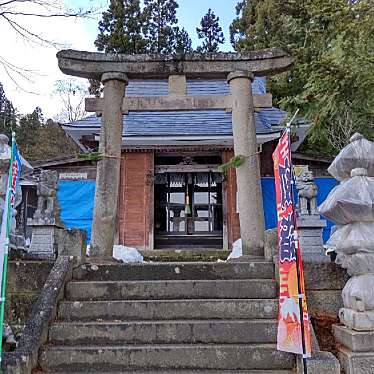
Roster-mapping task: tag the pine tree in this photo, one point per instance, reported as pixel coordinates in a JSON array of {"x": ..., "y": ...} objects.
[
  {"x": 8, "y": 115},
  {"x": 120, "y": 30},
  {"x": 40, "y": 141},
  {"x": 28, "y": 132},
  {"x": 332, "y": 81},
  {"x": 182, "y": 41},
  {"x": 211, "y": 32},
  {"x": 55, "y": 143},
  {"x": 160, "y": 16}
]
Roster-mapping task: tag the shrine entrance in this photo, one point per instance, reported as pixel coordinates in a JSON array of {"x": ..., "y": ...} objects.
[{"x": 188, "y": 203}]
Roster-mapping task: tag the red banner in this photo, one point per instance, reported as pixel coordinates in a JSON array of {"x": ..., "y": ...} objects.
[{"x": 291, "y": 275}]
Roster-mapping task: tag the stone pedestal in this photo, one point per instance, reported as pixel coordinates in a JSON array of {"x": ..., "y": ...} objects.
[
  {"x": 356, "y": 350},
  {"x": 72, "y": 243},
  {"x": 44, "y": 240},
  {"x": 51, "y": 240},
  {"x": 354, "y": 319},
  {"x": 311, "y": 242}
]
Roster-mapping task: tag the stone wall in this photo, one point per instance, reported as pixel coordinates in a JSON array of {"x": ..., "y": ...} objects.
[
  {"x": 324, "y": 282},
  {"x": 25, "y": 281}
]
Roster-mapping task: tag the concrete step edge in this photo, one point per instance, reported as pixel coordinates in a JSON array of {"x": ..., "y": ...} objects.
[
  {"x": 198, "y": 263},
  {"x": 164, "y": 322},
  {"x": 168, "y": 309},
  {"x": 145, "y": 357},
  {"x": 179, "y": 371},
  {"x": 50, "y": 346},
  {"x": 165, "y": 300},
  {"x": 157, "y": 281}
]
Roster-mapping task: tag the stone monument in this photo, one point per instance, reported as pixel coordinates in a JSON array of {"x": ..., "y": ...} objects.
[
  {"x": 309, "y": 222},
  {"x": 351, "y": 206},
  {"x": 46, "y": 224}
]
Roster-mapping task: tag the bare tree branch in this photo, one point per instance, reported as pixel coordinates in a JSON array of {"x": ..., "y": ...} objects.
[
  {"x": 28, "y": 35},
  {"x": 340, "y": 131},
  {"x": 71, "y": 93},
  {"x": 9, "y": 2},
  {"x": 16, "y": 15},
  {"x": 16, "y": 82},
  {"x": 72, "y": 15}
]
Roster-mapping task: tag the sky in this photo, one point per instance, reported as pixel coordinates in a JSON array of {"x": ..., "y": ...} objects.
[{"x": 80, "y": 34}]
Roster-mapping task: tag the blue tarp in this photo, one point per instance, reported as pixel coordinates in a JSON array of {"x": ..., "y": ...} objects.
[
  {"x": 76, "y": 199},
  {"x": 325, "y": 185}
]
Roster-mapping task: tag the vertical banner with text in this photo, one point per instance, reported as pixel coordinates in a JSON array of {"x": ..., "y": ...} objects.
[
  {"x": 291, "y": 337},
  {"x": 13, "y": 182}
]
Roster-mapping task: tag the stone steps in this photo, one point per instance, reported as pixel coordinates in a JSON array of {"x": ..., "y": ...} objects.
[
  {"x": 172, "y": 289},
  {"x": 168, "y": 309},
  {"x": 174, "y": 271},
  {"x": 180, "y": 371},
  {"x": 172, "y": 357},
  {"x": 180, "y": 318},
  {"x": 164, "y": 332}
]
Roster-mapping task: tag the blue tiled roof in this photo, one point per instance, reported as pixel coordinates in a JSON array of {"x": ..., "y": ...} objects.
[
  {"x": 212, "y": 122},
  {"x": 195, "y": 87},
  {"x": 217, "y": 122}
]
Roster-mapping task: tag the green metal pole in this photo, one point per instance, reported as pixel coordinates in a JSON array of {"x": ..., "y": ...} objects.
[{"x": 5, "y": 265}]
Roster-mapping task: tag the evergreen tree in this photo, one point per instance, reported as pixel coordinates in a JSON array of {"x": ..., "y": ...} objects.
[
  {"x": 27, "y": 132},
  {"x": 211, "y": 33},
  {"x": 36, "y": 140},
  {"x": 182, "y": 41},
  {"x": 160, "y": 16},
  {"x": 120, "y": 30},
  {"x": 55, "y": 142},
  {"x": 332, "y": 80},
  {"x": 41, "y": 141},
  {"x": 8, "y": 115}
]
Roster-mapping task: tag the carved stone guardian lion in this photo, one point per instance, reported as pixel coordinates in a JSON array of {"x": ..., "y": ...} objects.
[
  {"x": 307, "y": 191},
  {"x": 46, "y": 190}
]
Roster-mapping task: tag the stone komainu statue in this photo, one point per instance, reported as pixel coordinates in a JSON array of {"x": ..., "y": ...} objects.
[
  {"x": 307, "y": 191},
  {"x": 46, "y": 190}
]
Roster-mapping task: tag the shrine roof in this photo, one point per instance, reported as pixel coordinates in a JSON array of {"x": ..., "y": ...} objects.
[{"x": 184, "y": 125}]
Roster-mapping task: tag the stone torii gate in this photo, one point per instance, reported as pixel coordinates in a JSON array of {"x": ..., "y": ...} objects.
[{"x": 115, "y": 71}]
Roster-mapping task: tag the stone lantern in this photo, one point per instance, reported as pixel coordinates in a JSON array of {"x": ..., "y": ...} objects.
[{"x": 351, "y": 206}]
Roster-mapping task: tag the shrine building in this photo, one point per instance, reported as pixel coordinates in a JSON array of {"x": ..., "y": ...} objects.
[{"x": 171, "y": 192}]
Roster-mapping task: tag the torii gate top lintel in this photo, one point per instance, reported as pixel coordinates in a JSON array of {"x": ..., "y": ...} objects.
[{"x": 195, "y": 65}]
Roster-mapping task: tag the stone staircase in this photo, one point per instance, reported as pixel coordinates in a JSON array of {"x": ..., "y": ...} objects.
[{"x": 168, "y": 318}]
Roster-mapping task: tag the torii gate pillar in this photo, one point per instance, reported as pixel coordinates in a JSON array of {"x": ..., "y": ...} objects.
[
  {"x": 251, "y": 214},
  {"x": 108, "y": 168}
]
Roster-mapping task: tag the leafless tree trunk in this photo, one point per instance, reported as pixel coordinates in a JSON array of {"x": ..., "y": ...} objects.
[
  {"x": 340, "y": 130},
  {"x": 71, "y": 93}
]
